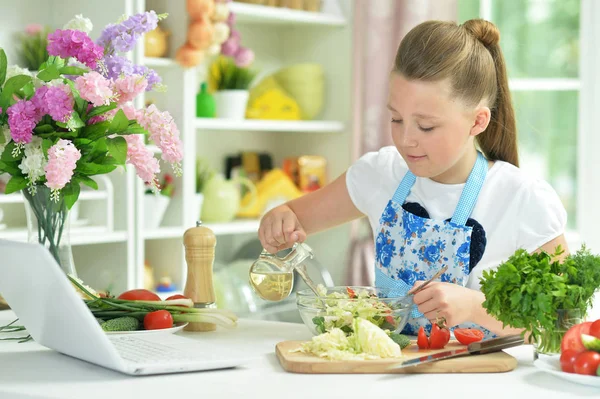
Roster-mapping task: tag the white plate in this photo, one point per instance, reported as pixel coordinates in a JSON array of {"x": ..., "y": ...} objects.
[
  {"x": 552, "y": 365},
  {"x": 171, "y": 330}
]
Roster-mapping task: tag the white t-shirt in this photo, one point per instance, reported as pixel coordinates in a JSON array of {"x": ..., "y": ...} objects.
[{"x": 515, "y": 210}]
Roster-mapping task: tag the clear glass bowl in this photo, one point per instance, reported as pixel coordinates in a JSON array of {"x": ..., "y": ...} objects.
[{"x": 381, "y": 307}]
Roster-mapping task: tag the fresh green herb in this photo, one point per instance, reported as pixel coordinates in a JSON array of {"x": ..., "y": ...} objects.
[{"x": 528, "y": 290}]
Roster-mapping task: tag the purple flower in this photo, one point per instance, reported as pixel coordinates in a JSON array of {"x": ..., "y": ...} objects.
[
  {"x": 150, "y": 75},
  {"x": 22, "y": 118},
  {"x": 244, "y": 57},
  {"x": 74, "y": 43},
  {"x": 55, "y": 101},
  {"x": 122, "y": 37},
  {"x": 117, "y": 66}
]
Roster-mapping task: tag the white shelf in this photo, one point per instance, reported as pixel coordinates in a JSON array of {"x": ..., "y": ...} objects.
[
  {"x": 241, "y": 226},
  {"x": 159, "y": 62},
  {"x": 84, "y": 195},
  {"x": 255, "y": 125},
  {"x": 79, "y": 236},
  {"x": 257, "y": 14}
]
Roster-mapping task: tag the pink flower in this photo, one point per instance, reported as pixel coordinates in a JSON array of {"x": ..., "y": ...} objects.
[
  {"x": 22, "y": 118},
  {"x": 62, "y": 161},
  {"x": 33, "y": 29},
  {"x": 55, "y": 101},
  {"x": 230, "y": 47},
  {"x": 129, "y": 86},
  {"x": 94, "y": 88},
  {"x": 244, "y": 57},
  {"x": 67, "y": 43},
  {"x": 163, "y": 131},
  {"x": 146, "y": 166},
  {"x": 231, "y": 20}
]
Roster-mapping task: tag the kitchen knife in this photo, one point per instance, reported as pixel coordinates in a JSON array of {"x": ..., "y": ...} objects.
[{"x": 476, "y": 348}]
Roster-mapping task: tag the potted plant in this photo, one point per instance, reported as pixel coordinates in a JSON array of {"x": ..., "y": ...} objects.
[
  {"x": 542, "y": 294},
  {"x": 203, "y": 174},
  {"x": 33, "y": 46},
  {"x": 231, "y": 84}
]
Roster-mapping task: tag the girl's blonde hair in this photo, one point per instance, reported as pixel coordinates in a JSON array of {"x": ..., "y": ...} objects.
[{"x": 469, "y": 56}]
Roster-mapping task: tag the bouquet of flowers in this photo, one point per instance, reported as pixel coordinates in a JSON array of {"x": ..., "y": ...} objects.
[{"x": 75, "y": 119}]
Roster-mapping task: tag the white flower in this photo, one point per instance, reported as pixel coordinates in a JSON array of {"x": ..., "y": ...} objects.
[
  {"x": 33, "y": 162},
  {"x": 6, "y": 136},
  {"x": 79, "y": 23}
]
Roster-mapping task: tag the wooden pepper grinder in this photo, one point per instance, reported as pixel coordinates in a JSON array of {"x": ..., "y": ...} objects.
[{"x": 200, "y": 245}]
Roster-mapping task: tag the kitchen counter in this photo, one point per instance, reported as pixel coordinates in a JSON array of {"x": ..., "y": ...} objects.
[{"x": 30, "y": 371}]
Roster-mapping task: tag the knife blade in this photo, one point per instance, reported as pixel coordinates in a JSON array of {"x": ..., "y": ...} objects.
[{"x": 476, "y": 348}]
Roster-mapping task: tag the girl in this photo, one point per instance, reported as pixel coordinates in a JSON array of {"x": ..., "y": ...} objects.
[{"x": 450, "y": 191}]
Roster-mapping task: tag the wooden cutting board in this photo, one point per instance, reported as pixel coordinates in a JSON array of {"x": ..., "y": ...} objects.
[{"x": 297, "y": 362}]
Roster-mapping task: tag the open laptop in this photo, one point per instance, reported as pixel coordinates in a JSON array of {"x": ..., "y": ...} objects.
[{"x": 46, "y": 303}]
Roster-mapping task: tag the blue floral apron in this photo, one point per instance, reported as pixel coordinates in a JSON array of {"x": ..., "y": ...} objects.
[{"x": 409, "y": 248}]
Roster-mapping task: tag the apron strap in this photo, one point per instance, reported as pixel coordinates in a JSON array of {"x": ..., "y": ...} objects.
[
  {"x": 470, "y": 193},
  {"x": 396, "y": 287},
  {"x": 404, "y": 188}
]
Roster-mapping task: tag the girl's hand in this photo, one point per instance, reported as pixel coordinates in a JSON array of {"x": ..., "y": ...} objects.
[
  {"x": 280, "y": 229},
  {"x": 451, "y": 301}
]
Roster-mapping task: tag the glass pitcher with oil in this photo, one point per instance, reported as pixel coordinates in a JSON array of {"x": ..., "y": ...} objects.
[{"x": 273, "y": 278}]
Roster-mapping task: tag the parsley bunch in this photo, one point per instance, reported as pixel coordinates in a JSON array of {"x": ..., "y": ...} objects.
[{"x": 527, "y": 290}]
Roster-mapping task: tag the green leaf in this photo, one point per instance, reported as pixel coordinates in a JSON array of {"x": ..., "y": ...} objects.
[
  {"x": 89, "y": 182},
  {"x": 72, "y": 70},
  {"x": 29, "y": 90},
  {"x": 71, "y": 193},
  {"x": 79, "y": 142},
  {"x": 75, "y": 122},
  {"x": 120, "y": 123},
  {"x": 48, "y": 74},
  {"x": 11, "y": 86},
  {"x": 46, "y": 128},
  {"x": 101, "y": 109},
  {"x": 80, "y": 105},
  {"x": 10, "y": 167},
  {"x": 46, "y": 144},
  {"x": 135, "y": 128},
  {"x": 15, "y": 184},
  {"x": 95, "y": 131},
  {"x": 117, "y": 147},
  {"x": 3, "y": 65},
  {"x": 90, "y": 169},
  {"x": 7, "y": 153}
]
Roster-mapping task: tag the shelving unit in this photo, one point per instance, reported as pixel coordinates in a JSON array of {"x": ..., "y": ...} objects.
[{"x": 279, "y": 37}]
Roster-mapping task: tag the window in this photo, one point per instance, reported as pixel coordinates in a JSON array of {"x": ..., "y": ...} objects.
[{"x": 541, "y": 43}]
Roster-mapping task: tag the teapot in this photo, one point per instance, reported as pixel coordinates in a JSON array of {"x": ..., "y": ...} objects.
[
  {"x": 222, "y": 198},
  {"x": 273, "y": 278}
]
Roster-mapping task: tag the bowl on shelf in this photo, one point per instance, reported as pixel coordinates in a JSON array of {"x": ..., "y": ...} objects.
[{"x": 336, "y": 308}]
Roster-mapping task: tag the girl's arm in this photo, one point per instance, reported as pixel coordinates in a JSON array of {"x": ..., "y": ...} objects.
[{"x": 291, "y": 222}]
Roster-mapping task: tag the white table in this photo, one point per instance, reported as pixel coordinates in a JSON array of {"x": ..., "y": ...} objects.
[{"x": 28, "y": 370}]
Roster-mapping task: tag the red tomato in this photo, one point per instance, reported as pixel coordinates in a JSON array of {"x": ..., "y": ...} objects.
[
  {"x": 178, "y": 296},
  {"x": 351, "y": 293},
  {"x": 595, "y": 329},
  {"x": 422, "y": 341},
  {"x": 572, "y": 338},
  {"x": 467, "y": 336},
  {"x": 567, "y": 360},
  {"x": 587, "y": 363},
  {"x": 158, "y": 320},
  {"x": 139, "y": 295},
  {"x": 439, "y": 336}
]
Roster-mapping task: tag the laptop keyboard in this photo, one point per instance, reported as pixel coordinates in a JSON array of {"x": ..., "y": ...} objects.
[{"x": 141, "y": 351}]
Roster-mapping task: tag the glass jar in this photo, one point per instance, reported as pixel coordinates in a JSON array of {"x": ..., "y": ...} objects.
[{"x": 548, "y": 342}]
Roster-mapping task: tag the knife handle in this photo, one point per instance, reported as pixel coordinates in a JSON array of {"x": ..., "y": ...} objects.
[{"x": 495, "y": 344}]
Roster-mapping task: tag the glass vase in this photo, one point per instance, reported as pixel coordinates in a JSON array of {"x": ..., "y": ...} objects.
[
  {"x": 48, "y": 224},
  {"x": 548, "y": 342}
]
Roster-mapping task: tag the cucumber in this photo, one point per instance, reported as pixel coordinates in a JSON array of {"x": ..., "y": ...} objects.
[
  {"x": 126, "y": 323},
  {"x": 402, "y": 340},
  {"x": 590, "y": 342}
]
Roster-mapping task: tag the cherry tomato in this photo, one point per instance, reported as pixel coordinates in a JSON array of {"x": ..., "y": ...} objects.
[
  {"x": 567, "y": 360},
  {"x": 467, "y": 336},
  {"x": 422, "y": 341},
  {"x": 572, "y": 338},
  {"x": 351, "y": 292},
  {"x": 439, "y": 337},
  {"x": 157, "y": 320},
  {"x": 595, "y": 329},
  {"x": 178, "y": 296},
  {"x": 587, "y": 363},
  {"x": 139, "y": 295}
]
